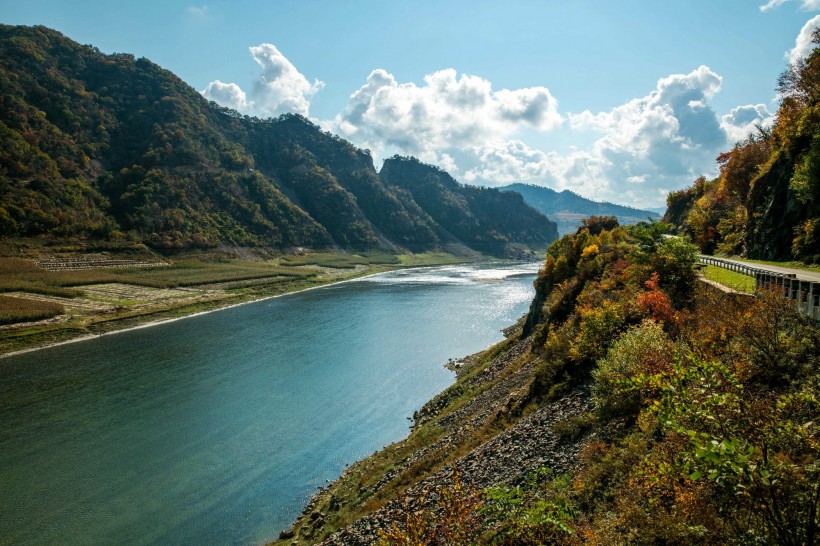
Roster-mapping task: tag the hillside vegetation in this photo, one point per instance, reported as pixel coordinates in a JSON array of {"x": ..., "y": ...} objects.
[
  {"x": 766, "y": 202},
  {"x": 631, "y": 406},
  {"x": 478, "y": 217},
  {"x": 98, "y": 147}
]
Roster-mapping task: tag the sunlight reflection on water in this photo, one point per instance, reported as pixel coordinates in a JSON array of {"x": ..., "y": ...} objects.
[{"x": 217, "y": 428}]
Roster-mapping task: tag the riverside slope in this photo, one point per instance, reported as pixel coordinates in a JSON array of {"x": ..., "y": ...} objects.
[
  {"x": 611, "y": 382},
  {"x": 477, "y": 434}
]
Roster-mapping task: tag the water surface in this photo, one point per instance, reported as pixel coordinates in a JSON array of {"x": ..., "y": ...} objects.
[{"x": 218, "y": 428}]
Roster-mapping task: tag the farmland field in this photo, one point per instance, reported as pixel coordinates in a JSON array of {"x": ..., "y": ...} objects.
[{"x": 97, "y": 293}]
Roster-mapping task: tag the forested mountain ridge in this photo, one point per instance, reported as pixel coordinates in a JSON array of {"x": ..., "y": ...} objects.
[
  {"x": 112, "y": 147},
  {"x": 479, "y": 217},
  {"x": 567, "y": 208},
  {"x": 765, "y": 203}
]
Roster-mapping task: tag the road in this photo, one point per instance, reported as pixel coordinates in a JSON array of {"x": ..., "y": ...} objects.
[{"x": 802, "y": 274}]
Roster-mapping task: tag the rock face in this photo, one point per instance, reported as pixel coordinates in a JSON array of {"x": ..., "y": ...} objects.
[
  {"x": 523, "y": 445},
  {"x": 776, "y": 214}
]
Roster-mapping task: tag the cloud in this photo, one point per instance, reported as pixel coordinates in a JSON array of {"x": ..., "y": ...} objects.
[
  {"x": 677, "y": 110},
  {"x": 447, "y": 111},
  {"x": 280, "y": 87},
  {"x": 507, "y": 161},
  {"x": 197, "y": 11},
  {"x": 226, "y": 94},
  {"x": 771, "y": 4},
  {"x": 646, "y": 147},
  {"x": 744, "y": 120},
  {"x": 805, "y": 5},
  {"x": 803, "y": 44}
]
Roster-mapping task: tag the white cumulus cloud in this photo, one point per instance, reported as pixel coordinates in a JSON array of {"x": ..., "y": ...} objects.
[
  {"x": 805, "y": 5},
  {"x": 446, "y": 112},
  {"x": 803, "y": 44},
  {"x": 647, "y": 146},
  {"x": 278, "y": 89},
  {"x": 507, "y": 161},
  {"x": 226, "y": 94},
  {"x": 744, "y": 120}
]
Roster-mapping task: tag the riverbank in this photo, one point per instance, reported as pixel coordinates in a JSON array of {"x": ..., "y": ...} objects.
[
  {"x": 601, "y": 404},
  {"x": 473, "y": 432},
  {"x": 101, "y": 300}
]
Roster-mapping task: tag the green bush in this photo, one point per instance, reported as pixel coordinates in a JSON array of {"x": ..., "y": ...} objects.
[
  {"x": 539, "y": 512},
  {"x": 644, "y": 349}
]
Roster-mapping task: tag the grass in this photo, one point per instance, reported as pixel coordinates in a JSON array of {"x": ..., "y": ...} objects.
[
  {"x": 793, "y": 265},
  {"x": 428, "y": 258},
  {"x": 350, "y": 261},
  {"x": 192, "y": 273},
  {"x": 730, "y": 279},
  {"x": 20, "y": 275},
  {"x": 14, "y": 310},
  {"x": 340, "y": 261}
]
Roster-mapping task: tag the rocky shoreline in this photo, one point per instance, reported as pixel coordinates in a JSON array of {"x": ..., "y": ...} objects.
[{"x": 480, "y": 424}]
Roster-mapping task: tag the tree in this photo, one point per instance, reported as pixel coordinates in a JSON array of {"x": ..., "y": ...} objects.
[{"x": 597, "y": 224}]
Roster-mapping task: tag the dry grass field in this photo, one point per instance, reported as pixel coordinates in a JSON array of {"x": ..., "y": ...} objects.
[{"x": 16, "y": 309}]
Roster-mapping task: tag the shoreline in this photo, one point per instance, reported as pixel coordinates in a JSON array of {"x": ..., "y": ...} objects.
[{"x": 159, "y": 322}]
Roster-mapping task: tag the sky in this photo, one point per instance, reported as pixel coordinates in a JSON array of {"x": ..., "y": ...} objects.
[{"x": 617, "y": 100}]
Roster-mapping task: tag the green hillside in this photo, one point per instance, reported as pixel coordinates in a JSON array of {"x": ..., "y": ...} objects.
[
  {"x": 479, "y": 217},
  {"x": 97, "y": 147}
]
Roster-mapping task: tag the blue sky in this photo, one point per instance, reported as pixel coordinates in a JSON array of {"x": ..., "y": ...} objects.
[{"x": 616, "y": 100}]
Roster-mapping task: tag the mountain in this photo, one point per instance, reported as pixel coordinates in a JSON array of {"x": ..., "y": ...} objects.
[
  {"x": 568, "y": 208},
  {"x": 115, "y": 148},
  {"x": 478, "y": 217}
]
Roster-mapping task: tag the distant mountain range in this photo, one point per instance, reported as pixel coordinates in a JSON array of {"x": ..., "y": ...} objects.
[
  {"x": 568, "y": 208},
  {"x": 111, "y": 147}
]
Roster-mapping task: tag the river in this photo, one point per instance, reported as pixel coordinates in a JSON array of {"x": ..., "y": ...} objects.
[{"x": 216, "y": 429}]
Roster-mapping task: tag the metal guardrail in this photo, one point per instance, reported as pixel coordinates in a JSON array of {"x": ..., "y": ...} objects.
[{"x": 805, "y": 294}]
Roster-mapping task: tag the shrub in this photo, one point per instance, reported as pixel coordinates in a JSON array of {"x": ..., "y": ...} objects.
[
  {"x": 758, "y": 455},
  {"x": 452, "y": 517},
  {"x": 538, "y": 512},
  {"x": 655, "y": 303},
  {"x": 597, "y": 224},
  {"x": 806, "y": 244},
  {"x": 674, "y": 261},
  {"x": 644, "y": 349},
  {"x": 598, "y": 326}
]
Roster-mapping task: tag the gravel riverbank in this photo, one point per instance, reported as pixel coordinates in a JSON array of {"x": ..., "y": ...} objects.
[{"x": 484, "y": 398}]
